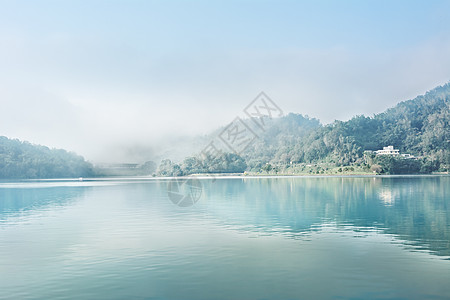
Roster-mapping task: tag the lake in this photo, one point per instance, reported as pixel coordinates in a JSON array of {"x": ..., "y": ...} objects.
[{"x": 243, "y": 238}]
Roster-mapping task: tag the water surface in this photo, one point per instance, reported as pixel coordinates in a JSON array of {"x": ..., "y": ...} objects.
[{"x": 246, "y": 238}]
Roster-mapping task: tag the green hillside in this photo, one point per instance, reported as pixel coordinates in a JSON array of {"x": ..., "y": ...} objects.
[
  {"x": 296, "y": 144},
  {"x": 24, "y": 160},
  {"x": 419, "y": 127}
]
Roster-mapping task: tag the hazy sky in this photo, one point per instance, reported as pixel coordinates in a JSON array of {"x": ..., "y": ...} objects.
[{"x": 103, "y": 77}]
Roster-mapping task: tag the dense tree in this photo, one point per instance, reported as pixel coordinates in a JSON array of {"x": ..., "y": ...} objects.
[
  {"x": 220, "y": 163},
  {"x": 396, "y": 165},
  {"x": 24, "y": 160},
  {"x": 168, "y": 168}
]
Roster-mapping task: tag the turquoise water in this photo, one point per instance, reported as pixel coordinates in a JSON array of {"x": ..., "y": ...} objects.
[{"x": 245, "y": 238}]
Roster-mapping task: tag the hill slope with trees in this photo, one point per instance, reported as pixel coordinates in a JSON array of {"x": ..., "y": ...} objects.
[
  {"x": 419, "y": 127},
  {"x": 20, "y": 160}
]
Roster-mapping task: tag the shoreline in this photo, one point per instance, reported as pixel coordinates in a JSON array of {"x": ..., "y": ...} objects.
[{"x": 223, "y": 176}]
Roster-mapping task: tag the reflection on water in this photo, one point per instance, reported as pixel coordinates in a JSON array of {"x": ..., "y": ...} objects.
[
  {"x": 416, "y": 209},
  {"x": 246, "y": 238},
  {"x": 20, "y": 202}
]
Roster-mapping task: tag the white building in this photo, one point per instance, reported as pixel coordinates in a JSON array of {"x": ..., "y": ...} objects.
[{"x": 389, "y": 150}]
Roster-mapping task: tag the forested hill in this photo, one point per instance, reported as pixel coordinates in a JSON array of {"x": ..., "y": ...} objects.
[
  {"x": 23, "y": 160},
  {"x": 419, "y": 127},
  {"x": 293, "y": 143}
]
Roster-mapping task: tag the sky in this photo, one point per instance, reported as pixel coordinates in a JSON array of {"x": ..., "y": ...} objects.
[{"x": 109, "y": 79}]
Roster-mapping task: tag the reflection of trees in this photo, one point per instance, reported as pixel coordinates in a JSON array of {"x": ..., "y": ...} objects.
[
  {"x": 16, "y": 201},
  {"x": 412, "y": 208}
]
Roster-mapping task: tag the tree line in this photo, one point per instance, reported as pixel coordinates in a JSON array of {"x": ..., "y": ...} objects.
[{"x": 20, "y": 160}]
